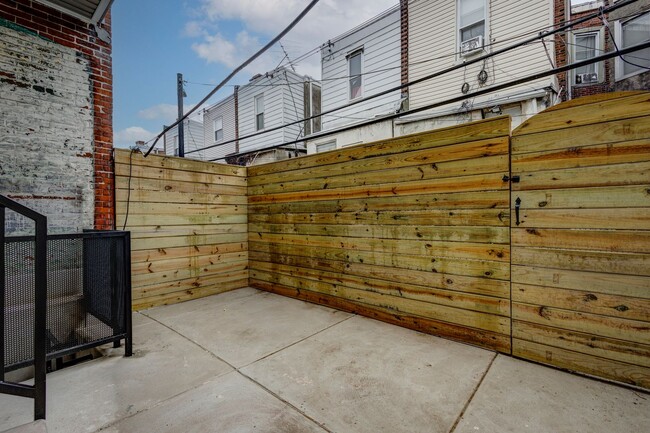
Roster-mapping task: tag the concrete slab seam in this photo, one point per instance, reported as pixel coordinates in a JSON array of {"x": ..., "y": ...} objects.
[{"x": 471, "y": 397}]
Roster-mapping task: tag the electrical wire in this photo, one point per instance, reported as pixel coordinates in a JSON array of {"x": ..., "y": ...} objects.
[
  {"x": 237, "y": 69},
  {"x": 611, "y": 35},
  {"x": 440, "y": 72},
  {"x": 128, "y": 194},
  {"x": 475, "y": 94}
]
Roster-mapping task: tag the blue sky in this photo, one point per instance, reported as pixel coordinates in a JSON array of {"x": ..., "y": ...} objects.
[{"x": 205, "y": 39}]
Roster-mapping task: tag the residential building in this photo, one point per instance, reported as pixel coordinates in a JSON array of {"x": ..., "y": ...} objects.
[
  {"x": 219, "y": 126},
  {"x": 56, "y": 105},
  {"x": 267, "y": 101},
  {"x": 355, "y": 65},
  {"x": 623, "y": 27},
  {"x": 446, "y": 33},
  {"x": 193, "y": 139}
]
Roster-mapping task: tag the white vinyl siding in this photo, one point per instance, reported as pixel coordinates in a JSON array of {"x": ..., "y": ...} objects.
[
  {"x": 431, "y": 35},
  {"x": 224, "y": 110},
  {"x": 381, "y": 44},
  {"x": 281, "y": 105},
  {"x": 193, "y": 139}
]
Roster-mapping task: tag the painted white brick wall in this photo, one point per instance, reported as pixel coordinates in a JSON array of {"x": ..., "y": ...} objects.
[{"x": 46, "y": 132}]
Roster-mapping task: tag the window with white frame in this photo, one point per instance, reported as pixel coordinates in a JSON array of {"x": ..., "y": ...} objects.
[
  {"x": 259, "y": 112},
  {"x": 585, "y": 47},
  {"x": 471, "y": 24},
  {"x": 175, "y": 144},
  {"x": 218, "y": 129},
  {"x": 629, "y": 33},
  {"x": 354, "y": 69}
]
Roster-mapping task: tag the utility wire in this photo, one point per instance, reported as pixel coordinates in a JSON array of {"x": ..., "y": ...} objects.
[
  {"x": 475, "y": 94},
  {"x": 236, "y": 70},
  {"x": 439, "y": 73}
]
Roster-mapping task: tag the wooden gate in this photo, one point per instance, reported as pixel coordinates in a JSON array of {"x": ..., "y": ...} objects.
[{"x": 581, "y": 243}]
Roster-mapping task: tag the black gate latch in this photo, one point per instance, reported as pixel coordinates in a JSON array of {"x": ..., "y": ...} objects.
[{"x": 513, "y": 179}]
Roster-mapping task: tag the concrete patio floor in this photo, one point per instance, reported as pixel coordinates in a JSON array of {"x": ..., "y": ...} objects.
[{"x": 249, "y": 361}]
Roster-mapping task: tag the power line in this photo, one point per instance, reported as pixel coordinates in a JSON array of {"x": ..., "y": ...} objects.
[
  {"x": 441, "y": 72},
  {"x": 239, "y": 68},
  {"x": 480, "y": 92}
]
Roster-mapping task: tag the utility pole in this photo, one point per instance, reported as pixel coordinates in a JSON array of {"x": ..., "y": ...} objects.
[{"x": 181, "y": 132}]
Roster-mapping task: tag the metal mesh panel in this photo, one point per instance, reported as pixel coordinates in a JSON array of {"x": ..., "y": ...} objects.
[
  {"x": 86, "y": 294},
  {"x": 19, "y": 302}
]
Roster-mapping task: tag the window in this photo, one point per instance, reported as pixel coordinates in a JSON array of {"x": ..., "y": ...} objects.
[
  {"x": 175, "y": 142},
  {"x": 471, "y": 20},
  {"x": 259, "y": 112},
  {"x": 218, "y": 129},
  {"x": 632, "y": 32},
  {"x": 586, "y": 46},
  {"x": 354, "y": 69}
]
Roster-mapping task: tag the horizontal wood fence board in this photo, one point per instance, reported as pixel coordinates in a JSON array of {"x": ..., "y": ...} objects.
[
  {"x": 406, "y": 164},
  {"x": 581, "y": 245},
  {"x": 190, "y": 241},
  {"x": 180, "y": 220},
  {"x": 188, "y": 230},
  {"x": 188, "y": 294},
  {"x": 586, "y": 177},
  {"x": 180, "y": 164},
  {"x": 476, "y": 251},
  {"x": 450, "y": 201},
  {"x": 155, "y": 254},
  {"x": 177, "y": 175},
  {"x": 468, "y": 301},
  {"x": 575, "y": 361},
  {"x": 603, "y": 197},
  {"x": 435, "y": 264},
  {"x": 590, "y": 282},
  {"x": 482, "y": 130},
  {"x": 457, "y": 184},
  {"x": 587, "y": 156},
  {"x": 607, "y": 132},
  {"x": 631, "y": 241},
  {"x": 487, "y": 285},
  {"x": 597, "y": 218},
  {"x": 581, "y": 342},
  {"x": 499, "y": 235},
  {"x": 613, "y": 305},
  {"x": 144, "y": 196},
  {"x": 237, "y": 194},
  {"x": 442, "y": 217},
  {"x": 163, "y": 288},
  {"x": 189, "y": 226},
  {"x": 228, "y": 264},
  {"x": 587, "y": 113}
]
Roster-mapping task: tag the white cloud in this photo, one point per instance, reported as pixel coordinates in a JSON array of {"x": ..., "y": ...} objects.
[
  {"x": 166, "y": 113},
  {"x": 127, "y": 137},
  {"x": 262, "y": 19}
]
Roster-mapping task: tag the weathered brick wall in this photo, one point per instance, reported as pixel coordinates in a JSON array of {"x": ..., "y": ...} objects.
[
  {"x": 65, "y": 31},
  {"x": 46, "y": 131}
]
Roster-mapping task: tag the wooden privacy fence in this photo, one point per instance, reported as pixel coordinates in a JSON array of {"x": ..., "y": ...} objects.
[
  {"x": 536, "y": 245},
  {"x": 188, "y": 223},
  {"x": 413, "y": 231}
]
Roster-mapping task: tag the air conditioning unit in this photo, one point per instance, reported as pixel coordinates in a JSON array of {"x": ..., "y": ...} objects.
[
  {"x": 591, "y": 77},
  {"x": 471, "y": 45}
]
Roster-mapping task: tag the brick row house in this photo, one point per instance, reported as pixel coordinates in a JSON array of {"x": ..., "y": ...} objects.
[
  {"x": 626, "y": 26},
  {"x": 56, "y": 105}
]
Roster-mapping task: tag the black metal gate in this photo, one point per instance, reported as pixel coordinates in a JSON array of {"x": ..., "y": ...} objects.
[{"x": 88, "y": 292}]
